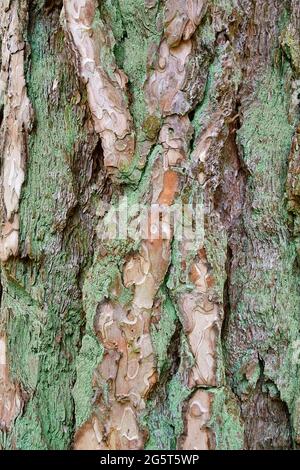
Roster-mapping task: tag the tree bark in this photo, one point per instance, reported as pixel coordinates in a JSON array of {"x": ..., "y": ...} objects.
[{"x": 122, "y": 325}]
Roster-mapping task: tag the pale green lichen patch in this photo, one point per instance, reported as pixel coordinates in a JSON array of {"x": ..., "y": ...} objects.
[
  {"x": 41, "y": 292},
  {"x": 162, "y": 332},
  {"x": 98, "y": 281},
  {"x": 28, "y": 432},
  {"x": 43, "y": 348},
  {"x": 268, "y": 310},
  {"x": 136, "y": 30},
  {"x": 51, "y": 145},
  {"x": 216, "y": 250},
  {"x": 290, "y": 42},
  {"x": 89, "y": 357},
  {"x": 226, "y": 5},
  {"x": 163, "y": 418},
  {"x": 141, "y": 32},
  {"x": 225, "y": 421}
]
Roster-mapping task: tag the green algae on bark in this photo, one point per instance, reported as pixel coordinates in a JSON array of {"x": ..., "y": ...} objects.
[{"x": 271, "y": 284}]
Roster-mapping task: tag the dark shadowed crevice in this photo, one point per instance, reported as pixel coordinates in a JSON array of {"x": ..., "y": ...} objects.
[
  {"x": 51, "y": 5},
  {"x": 1, "y": 112},
  {"x": 229, "y": 202},
  {"x": 97, "y": 162},
  {"x": 226, "y": 298},
  {"x": 266, "y": 417}
]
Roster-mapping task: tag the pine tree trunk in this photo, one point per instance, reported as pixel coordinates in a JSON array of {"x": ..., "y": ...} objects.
[{"x": 150, "y": 208}]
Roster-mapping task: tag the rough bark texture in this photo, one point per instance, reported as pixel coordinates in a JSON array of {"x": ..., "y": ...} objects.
[{"x": 156, "y": 342}]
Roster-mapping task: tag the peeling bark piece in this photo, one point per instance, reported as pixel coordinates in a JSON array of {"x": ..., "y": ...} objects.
[
  {"x": 212, "y": 131},
  {"x": 10, "y": 396},
  {"x": 121, "y": 430},
  {"x": 169, "y": 189},
  {"x": 182, "y": 18},
  {"x": 164, "y": 87},
  {"x": 175, "y": 136},
  {"x": 153, "y": 261},
  {"x": 9, "y": 239},
  {"x": 89, "y": 437},
  {"x": 129, "y": 370},
  {"x": 201, "y": 324},
  {"x": 198, "y": 435},
  {"x": 16, "y": 123},
  {"x": 202, "y": 321},
  {"x": 106, "y": 95}
]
